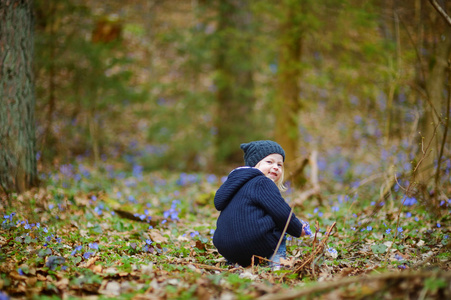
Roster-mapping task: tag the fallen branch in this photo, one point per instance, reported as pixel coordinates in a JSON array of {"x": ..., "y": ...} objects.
[
  {"x": 314, "y": 180},
  {"x": 325, "y": 286}
]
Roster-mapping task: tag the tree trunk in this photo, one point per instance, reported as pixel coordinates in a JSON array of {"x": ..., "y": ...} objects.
[
  {"x": 287, "y": 101},
  {"x": 234, "y": 81},
  {"x": 435, "y": 85},
  {"x": 18, "y": 171}
]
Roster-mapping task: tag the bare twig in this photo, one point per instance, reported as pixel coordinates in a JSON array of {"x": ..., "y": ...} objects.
[
  {"x": 440, "y": 10},
  {"x": 316, "y": 251},
  {"x": 283, "y": 232}
]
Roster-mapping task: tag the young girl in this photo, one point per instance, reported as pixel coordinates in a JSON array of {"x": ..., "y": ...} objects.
[{"x": 253, "y": 212}]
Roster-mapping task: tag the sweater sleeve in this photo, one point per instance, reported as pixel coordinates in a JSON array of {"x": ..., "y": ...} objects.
[{"x": 271, "y": 200}]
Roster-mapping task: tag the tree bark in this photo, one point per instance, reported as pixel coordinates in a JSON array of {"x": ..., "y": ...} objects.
[
  {"x": 18, "y": 171},
  {"x": 234, "y": 81},
  {"x": 287, "y": 101}
]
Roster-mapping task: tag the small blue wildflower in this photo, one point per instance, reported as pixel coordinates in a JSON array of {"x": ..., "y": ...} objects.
[
  {"x": 193, "y": 234},
  {"x": 94, "y": 246},
  {"x": 51, "y": 206},
  {"x": 148, "y": 241},
  {"x": 98, "y": 210},
  {"x": 388, "y": 231},
  {"x": 398, "y": 256},
  {"x": 307, "y": 229},
  {"x": 335, "y": 208},
  {"x": 315, "y": 210},
  {"x": 58, "y": 240},
  {"x": 3, "y": 296},
  {"x": 332, "y": 251},
  {"x": 20, "y": 271},
  {"x": 87, "y": 255},
  {"x": 372, "y": 203},
  {"x": 445, "y": 236},
  {"x": 64, "y": 268},
  {"x": 408, "y": 214},
  {"x": 400, "y": 229},
  {"x": 438, "y": 225},
  {"x": 150, "y": 227},
  {"x": 320, "y": 214},
  {"x": 403, "y": 267},
  {"x": 45, "y": 230},
  {"x": 369, "y": 228},
  {"x": 409, "y": 201},
  {"x": 27, "y": 226},
  {"x": 164, "y": 221},
  {"x": 212, "y": 231},
  {"x": 416, "y": 219}
]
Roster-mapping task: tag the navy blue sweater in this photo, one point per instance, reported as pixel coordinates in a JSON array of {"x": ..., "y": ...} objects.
[{"x": 253, "y": 216}]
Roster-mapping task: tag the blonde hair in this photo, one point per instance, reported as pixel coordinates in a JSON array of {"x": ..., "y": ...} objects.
[{"x": 279, "y": 182}]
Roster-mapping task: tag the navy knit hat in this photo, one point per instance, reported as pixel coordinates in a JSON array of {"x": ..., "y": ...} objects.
[{"x": 257, "y": 150}]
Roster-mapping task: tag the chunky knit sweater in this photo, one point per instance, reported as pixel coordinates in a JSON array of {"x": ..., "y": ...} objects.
[{"x": 253, "y": 216}]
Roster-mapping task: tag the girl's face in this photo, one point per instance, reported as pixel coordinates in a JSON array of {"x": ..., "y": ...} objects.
[{"x": 271, "y": 166}]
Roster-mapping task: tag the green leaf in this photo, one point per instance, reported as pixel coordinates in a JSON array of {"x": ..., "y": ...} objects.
[{"x": 378, "y": 248}]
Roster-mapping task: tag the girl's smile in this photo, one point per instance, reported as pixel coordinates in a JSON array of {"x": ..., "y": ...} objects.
[{"x": 271, "y": 166}]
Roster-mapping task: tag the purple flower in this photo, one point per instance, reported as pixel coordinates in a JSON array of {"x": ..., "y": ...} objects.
[
  {"x": 94, "y": 246},
  {"x": 87, "y": 255},
  {"x": 20, "y": 271},
  {"x": 409, "y": 201},
  {"x": 369, "y": 228},
  {"x": 408, "y": 214},
  {"x": 388, "y": 231},
  {"x": 438, "y": 225},
  {"x": 3, "y": 296},
  {"x": 400, "y": 229}
]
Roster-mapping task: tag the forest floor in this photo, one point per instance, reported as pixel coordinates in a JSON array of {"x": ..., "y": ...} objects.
[{"x": 100, "y": 233}]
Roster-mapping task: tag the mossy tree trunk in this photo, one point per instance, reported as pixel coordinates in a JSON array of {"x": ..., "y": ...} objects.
[
  {"x": 287, "y": 100},
  {"x": 18, "y": 171},
  {"x": 234, "y": 81}
]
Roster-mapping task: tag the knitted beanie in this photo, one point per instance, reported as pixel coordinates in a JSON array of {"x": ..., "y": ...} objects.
[{"x": 257, "y": 150}]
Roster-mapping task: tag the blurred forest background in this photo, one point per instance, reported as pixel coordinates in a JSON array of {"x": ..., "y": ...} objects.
[{"x": 178, "y": 85}]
